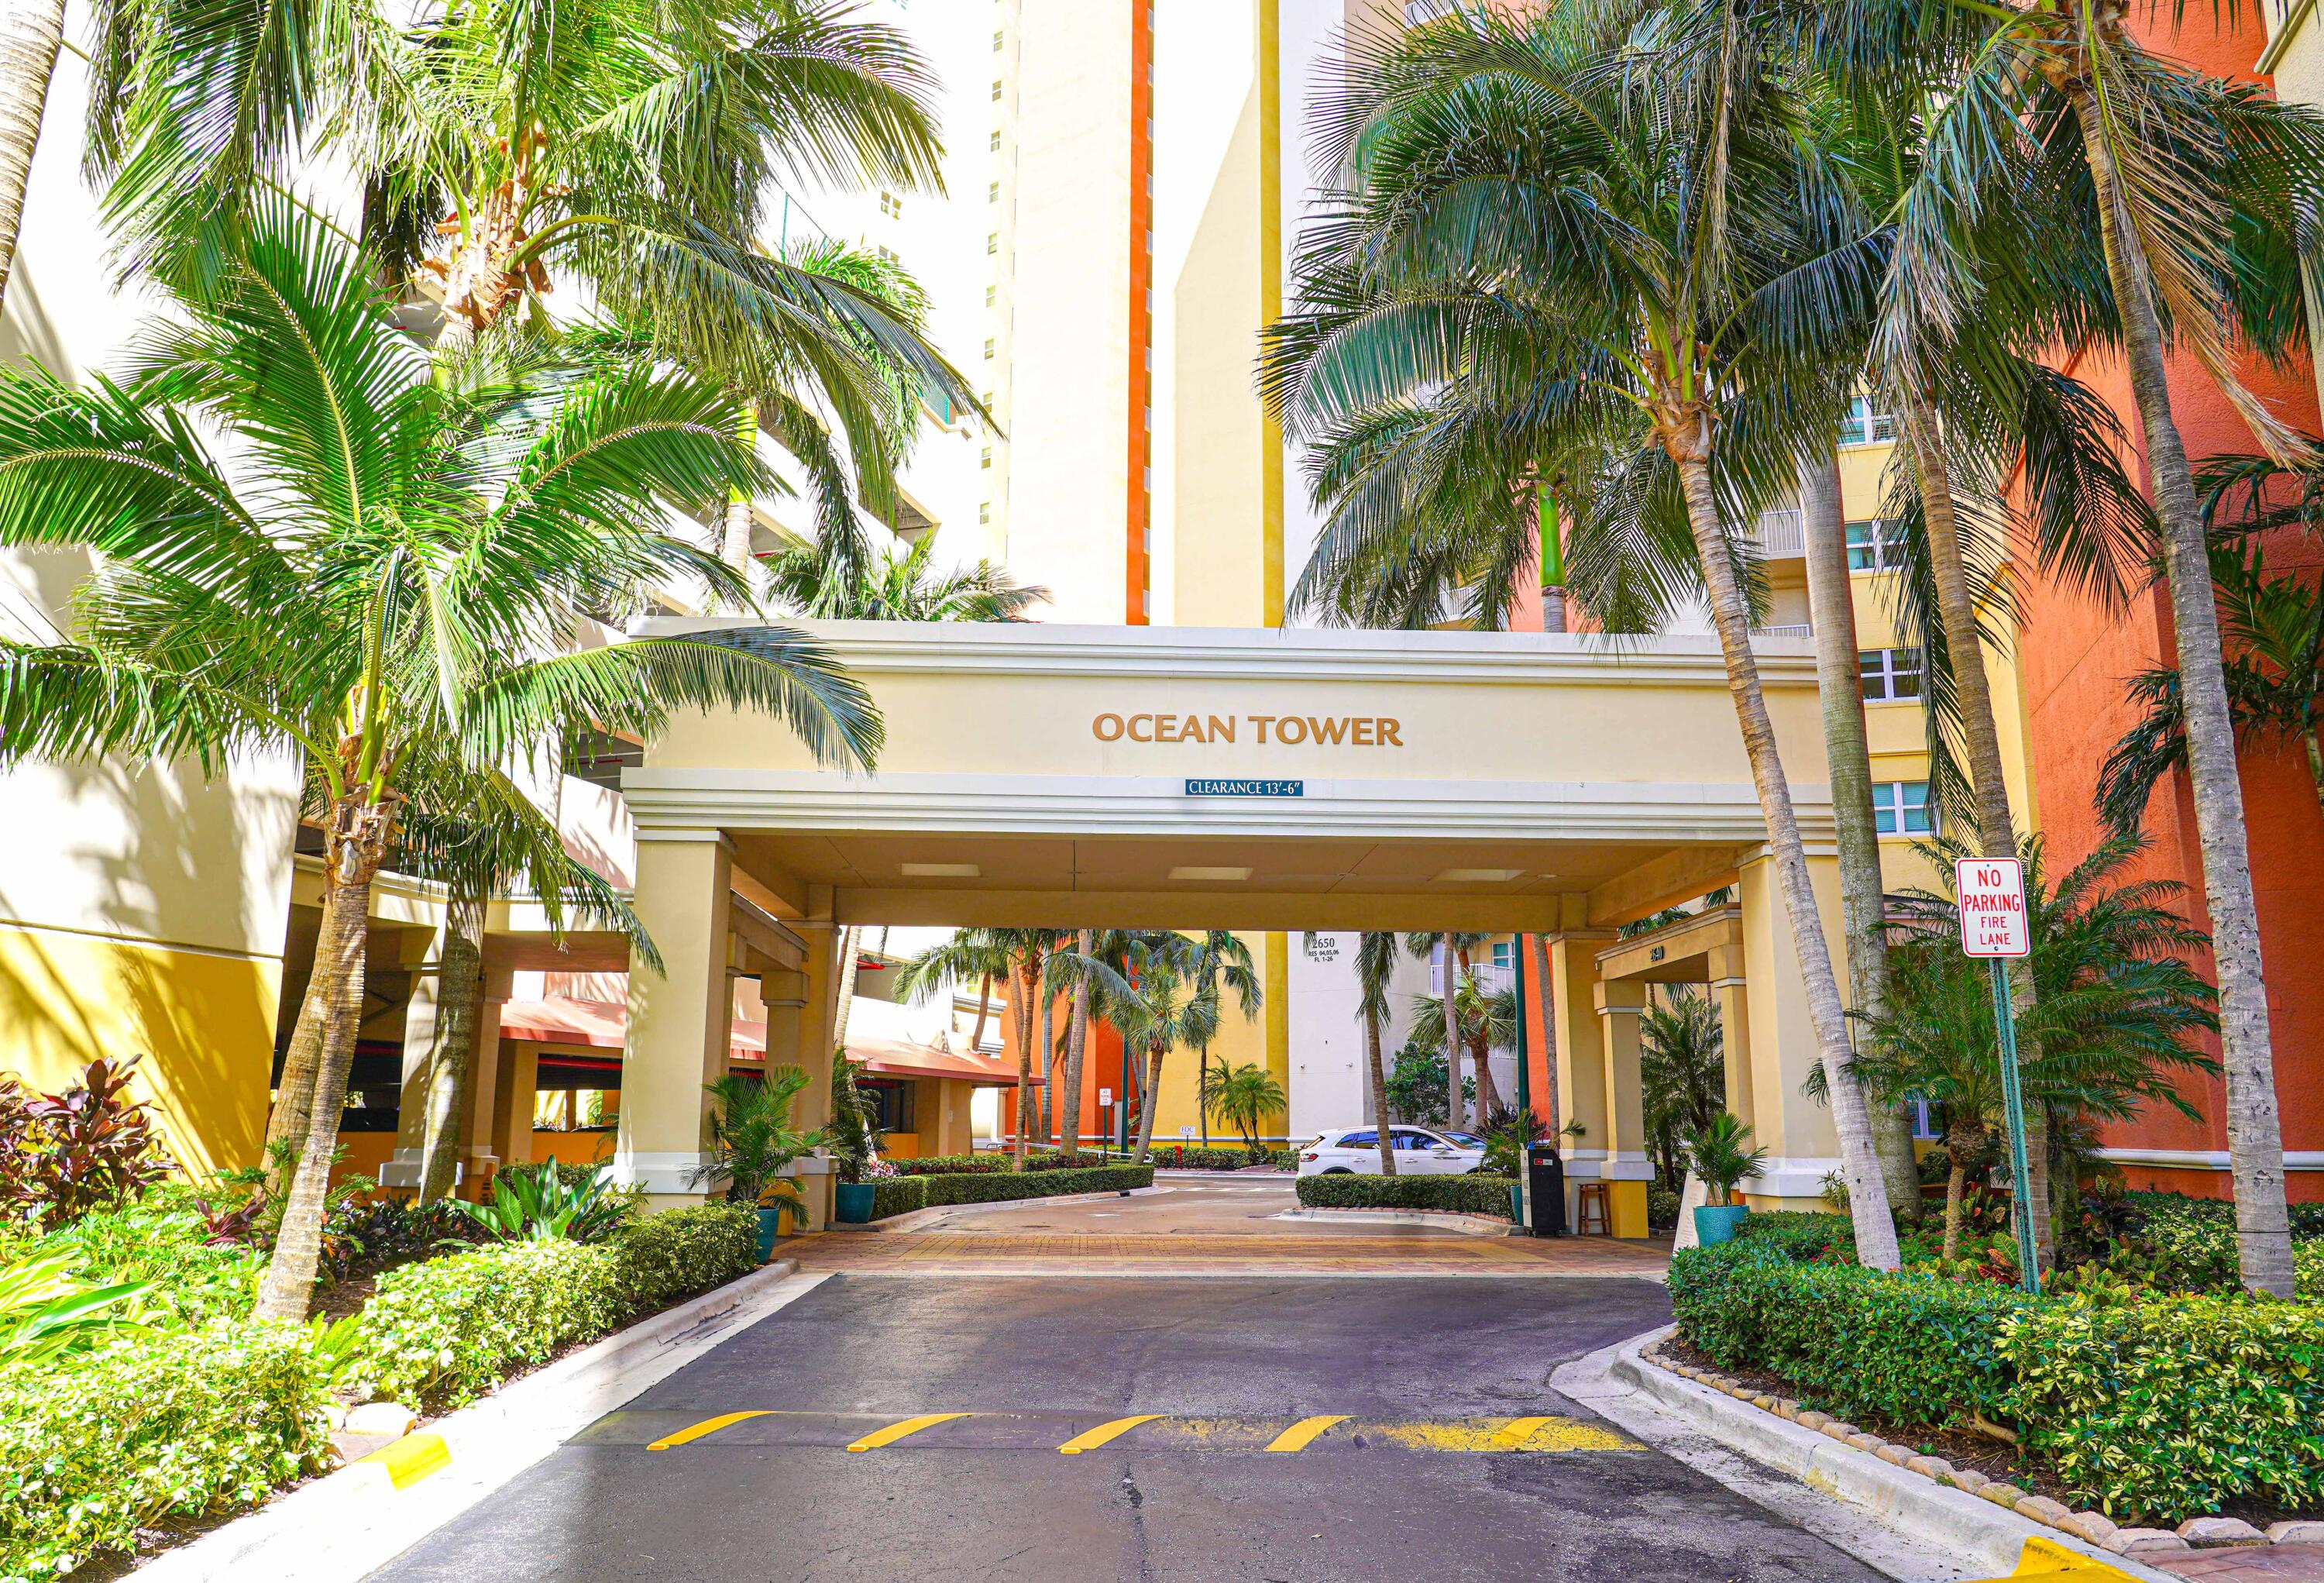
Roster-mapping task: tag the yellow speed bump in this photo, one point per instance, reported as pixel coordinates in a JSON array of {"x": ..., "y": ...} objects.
[
  {"x": 412, "y": 1458},
  {"x": 708, "y": 1426},
  {"x": 1296, "y": 1436},
  {"x": 1090, "y": 1439},
  {"x": 896, "y": 1431}
]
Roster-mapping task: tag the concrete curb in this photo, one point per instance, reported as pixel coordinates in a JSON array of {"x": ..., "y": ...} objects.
[
  {"x": 1443, "y": 1220},
  {"x": 1932, "y": 1513},
  {"x": 344, "y": 1526},
  {"x": 919, "y": 1217}
]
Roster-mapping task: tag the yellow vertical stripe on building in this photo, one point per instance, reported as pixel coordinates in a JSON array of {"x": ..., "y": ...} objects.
[
  {"x": 1275, "y": 985},
  {"x": 1270, "y": 300},
  {"x": 1090, "y": 1439},
  {"x": 896, "y": 1431},
  {"x": 1296, "y": 1436},
  {"x": 708, "y": 1426}
]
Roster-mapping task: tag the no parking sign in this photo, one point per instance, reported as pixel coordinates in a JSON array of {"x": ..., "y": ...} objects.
[{"x": 1991, "y": 894}]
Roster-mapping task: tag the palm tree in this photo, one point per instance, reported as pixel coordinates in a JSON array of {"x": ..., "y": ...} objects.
[
  {"x": 1487, "y": 1023},
  {"x": 1167, "y": 1006},
  {"x": 1223, "y": 961},
  {"x": 1375, "y": 961},
  {"x": 2184, "y": 180},
  {"x": 363, "y": 577},
  {"x": 1608, "y": 262},
  {"x": 1681, "y": 1074},
  {"x": 1246, "y": 1097},
  {"x": 1456, "y": 948},
  {"x": 30, "y": 33},
  {"x": 971, "y": 956},
  {"x": 900, "y": 587},
  {"x": 2117, "y": 1005}
]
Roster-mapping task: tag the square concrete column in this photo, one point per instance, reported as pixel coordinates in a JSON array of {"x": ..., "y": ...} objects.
[
  {"x": 478, "y": 1156},
  {"x": 1625, "y": 1165},
  {"x": 402, "y": 1168},
  {"x": 1797, "y": 1131},
  {"x": 515, "y": 1087},
  {"x": 818, "y": 1023},
  {"x": 681, "y": 1020},
  {"x": 1730, "y": 993},
  {"x": 1580, "y": 1053}
]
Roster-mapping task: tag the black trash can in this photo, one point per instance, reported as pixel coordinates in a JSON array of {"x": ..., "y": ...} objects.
[{"x": 1545, "y": 1191}]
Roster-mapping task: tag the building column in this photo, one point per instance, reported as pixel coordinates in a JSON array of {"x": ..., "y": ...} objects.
[
  {"x": 1581, "y": 1054},
  {"x": 402, "y": 1168},
  {"x": 478, "y": 1157},
  {"x": 1624, "y": 1167},
  {"x": 515, "y": 1090},
  {"x": 1730, "y": 993},
  {"x": 1797, "y": 1131},
  {"x": 679, "y": 1021},
  {"x": 818, "y": 1027}
]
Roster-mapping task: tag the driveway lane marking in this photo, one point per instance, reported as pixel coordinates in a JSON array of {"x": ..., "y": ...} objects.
[
  {"x": 708, "y": 1426},
  {"x": 896, "y": 1431},
  {"x": 1091, "y": 1439},
  {"x": 1296, "y": 1436}
]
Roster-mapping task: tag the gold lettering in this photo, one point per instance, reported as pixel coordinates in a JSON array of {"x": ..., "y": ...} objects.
[
  {"x": 1134, "y": 719},
  {"x": 1222, "y": 730},
  {"x": 1099, "y": 726},
  {"x": 1192, "y": 731},
  {"x": 1388, "y": 738},
  {"x": 1330, "y": 731},
  {"x": 1363, "y": 733},
  {"x": 1262, "y": 722},
  {"x": 1166, "y": 728},
  {"x": 1283, "y": 729}
]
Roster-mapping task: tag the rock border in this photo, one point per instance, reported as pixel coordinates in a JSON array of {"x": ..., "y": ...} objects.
[{"x": 2095, "y": 1527}]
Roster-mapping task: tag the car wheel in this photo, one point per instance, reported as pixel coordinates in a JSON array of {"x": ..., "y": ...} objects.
[{"x": 1335, "y": 1171}]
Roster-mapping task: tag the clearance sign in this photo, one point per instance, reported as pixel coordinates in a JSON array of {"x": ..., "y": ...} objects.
[{"x": 1991, "y": 894}]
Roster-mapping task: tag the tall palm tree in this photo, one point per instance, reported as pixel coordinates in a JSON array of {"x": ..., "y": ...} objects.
[
  {"x": 1224, "y": 961},
  {"x": 971, "y": 956},
  {"x": 1375, "y": 962},
  {"x": 363, "y": 578},
  {"x": 1603, "y": 254},
  {"x": 1458, "y": 973},
  {"x": 1486, "y": 1022},
  {"x": 2186, "y": 181},
  {"x": 1682, "y": 1073},
  {"x": 1167, "y": 1008},
  {"x": 30, "y": 33},
  {"x": 899, "y": 587}
]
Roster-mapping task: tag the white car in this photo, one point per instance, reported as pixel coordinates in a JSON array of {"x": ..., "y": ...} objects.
[{"x": 1419, "y": 1152}]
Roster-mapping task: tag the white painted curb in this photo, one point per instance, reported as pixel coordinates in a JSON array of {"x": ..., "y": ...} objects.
[
  {"x": 343, "y": 1527},
  {"x": 1931, "y": 1512},
  {"x": 1442, "y": 1219}
]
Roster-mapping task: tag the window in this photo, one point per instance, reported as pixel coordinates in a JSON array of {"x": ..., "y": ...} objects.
[
  {"x": 1863, "y": 426},
  {"x": 1901, "y": 807},
  {"x": 985, "y": 514},
  {"x": 992, "y": 193},
  {"x": 892, "y": 206},
  {"x": 1402, "y": 1138},
  {"x": 996, "y": 90},
  {"x": 995, "y": 144},
  {"x": 1889, "y": 674},
  {"x": 992, "y": 242},
  {"x": 988, "y": 349},
  {"x": 991, "y": 296},
  {"x": 1874, "y": 545},
  {"x": 1500, "y": 955},
  {"x": 987, "y": 460},
  {"x": 996, "y": 40},
  {"x": 1367, "y": 1139}
]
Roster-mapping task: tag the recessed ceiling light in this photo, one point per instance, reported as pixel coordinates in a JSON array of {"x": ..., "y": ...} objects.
[
  {"x": 1476, "y": 875},
  {"x": 1199, "y": 871},
  {"x": 941, "y": 871}
]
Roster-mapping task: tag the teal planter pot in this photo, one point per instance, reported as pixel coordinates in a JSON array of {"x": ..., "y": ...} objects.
[
  {"x": 771, "y": 1226},
  {"x": 1717, "y": 1223},
  {"x": 1517, "y": 1205},
  {"x": 853, "y": 1202}
]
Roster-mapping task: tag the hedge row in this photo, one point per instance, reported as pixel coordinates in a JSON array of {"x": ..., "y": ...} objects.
[
  {"x": 954, "y": 1165},
  {"x": 1041, "y": 1184},
  {"x": 1467, "y": 1195},
  {"x": 2155, "y": 1410},
  {"x": 202, "y": 1421}
]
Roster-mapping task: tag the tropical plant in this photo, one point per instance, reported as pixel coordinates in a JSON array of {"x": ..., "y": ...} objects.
[
  {"x": 45, "y": 1310},
  {"x": 2107, "y": 1034},
  {"x": 1536, "y": 236},
  {"x": 365, "y": 577},
  {"x": 899, "y": 587},
  {"x": 1455, "y": 947},
  {"x": 1681, "y": 1074},
  {"x": 1220, "y": 959},
  {"x": 853, "y": 1134},
  {"x": 1375, "y": 961},
  {"x": 752, "y": 1139},
  {"x": 1508, "y": 1133},
  {"x": 1245, "y": 1097},
  {"x": 1416, "y": 1085},
  {"x": 1165, "y": 1007},
  {"x": 1720, "y": 1155},
  {"x": 1488, "y": 1021},
  {"x": 89, "y": 1147},
  {"x": 1017, "y": 957},
  {"x": 540, "y": 1203}
]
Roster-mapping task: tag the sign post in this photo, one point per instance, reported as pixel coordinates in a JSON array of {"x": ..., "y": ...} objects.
[{"x": 1991, "y": 894}]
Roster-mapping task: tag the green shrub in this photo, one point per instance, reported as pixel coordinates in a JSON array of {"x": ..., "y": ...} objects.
[
  {"x": 1042, "y": 1184},
  {"x": 178, "y": 1427},
  {"x": 898, "y": 1195},
  {"x": 661, "y": 1258},
  {"x": 1913, "y": 1350},
  {"x": 2307, "y": 1219},
  {"x": 1200, "y": 1157},
  {"x": 1801, "y": 1235},
  {"x": 2171, "y": 1408},
  {"x": 166, "y": 1242},
  {"x": 444, "y": 1332},
  {"x": 1662, "y": 1206},
  {"x": 1467, "y": 1195},
  {"x": 956, "y": 1165}
]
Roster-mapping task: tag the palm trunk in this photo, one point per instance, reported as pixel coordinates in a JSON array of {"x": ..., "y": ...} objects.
[
  {"x": 1379, "y": 1093},
  {"x": 30, "y": 31},
  {"x": 1027, "y": 981},
  {"x": 840, "y": 1013},
  {"x": 1686, "y": 436},
  {"x": 1954, "y": 1180},
  {"x": 1863, "y": 892},
  {"x": 1543, "y": 993},
  {"x": 1076, "y": 1047},
  {"x": 734, "y": 541},
  {"x": 983, "y": 1006},
  {"x": 1452, "y": 1107},
  {"x": 1149, "y": 1100},
  {"x": 357, "y": 842},
  {"x": 1488, "y": 1093},
  {"x": 294, "y": 1095},
  {"x": 1973, "y": 696},
  {"x": 1202, "y": 1099},
  {"x": 459, "y": 993},
  {"x": 1048, "y": 1069},
  {"x": 2254, "y": 1130}
]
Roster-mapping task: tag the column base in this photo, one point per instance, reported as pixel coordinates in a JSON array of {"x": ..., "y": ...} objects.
[{"x": 674, "y": 1174}]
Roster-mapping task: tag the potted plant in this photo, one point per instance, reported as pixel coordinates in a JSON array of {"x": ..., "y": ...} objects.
[
  {"x": 752, "y": 1143},
  {"x": 1721, "y": 1159},
  {"x": 853, "y": 1139}
]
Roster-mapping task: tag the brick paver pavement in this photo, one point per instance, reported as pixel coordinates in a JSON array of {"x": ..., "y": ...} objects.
[{"x": 2270, "y": 1563}]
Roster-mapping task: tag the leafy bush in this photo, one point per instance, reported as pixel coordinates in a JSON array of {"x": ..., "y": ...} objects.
[
  {"x": 991, "y": 1189},
  {"x": 182, "y": 1426},
  {"x": 2172, "y": 1409},
  {"x": 1467, "y": 1195},
  {"x": 540, "y": 1203},
  {"x": 166, "y": 1241},
  {"x": 898, "y": 1195},
  {"x": 379, "y": 1234},
  {"x": 1197, "y": 1157},
  {"x": 1802, "y": 1234},
  {"x": 443, "y": 1332},
  {"x": 45, "y": 1312},
  {"x": 956, "y": 1165},
  {"x": 661, "y": 1258},
  {"x": 89, "y": 1147},
  {"x": 1662, "y": 1206}
]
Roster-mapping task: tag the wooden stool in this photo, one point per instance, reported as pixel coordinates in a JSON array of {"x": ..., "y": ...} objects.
[{"x": 1592, "y": 1200}]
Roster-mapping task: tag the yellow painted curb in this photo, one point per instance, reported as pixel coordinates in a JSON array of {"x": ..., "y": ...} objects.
[
  {"x": 2044, "y": 1558},
  {"x": 413, "y": 1458}
]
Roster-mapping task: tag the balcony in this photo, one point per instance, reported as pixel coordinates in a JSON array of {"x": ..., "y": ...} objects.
[
  {"x": 1491, "y": 978},
  {"x": 1789, "y": 629},
  {"x": 1780, "y": 535}
]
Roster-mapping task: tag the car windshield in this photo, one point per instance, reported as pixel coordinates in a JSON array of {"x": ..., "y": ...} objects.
[{"x": 1467, "y": 1140}]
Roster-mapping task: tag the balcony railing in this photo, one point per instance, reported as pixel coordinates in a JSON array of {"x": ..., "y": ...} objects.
[
  {"x": 1491, "y": 978},
  {"x": 1780, "y": 535},
  {"x": 1789, "y": 629}
]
